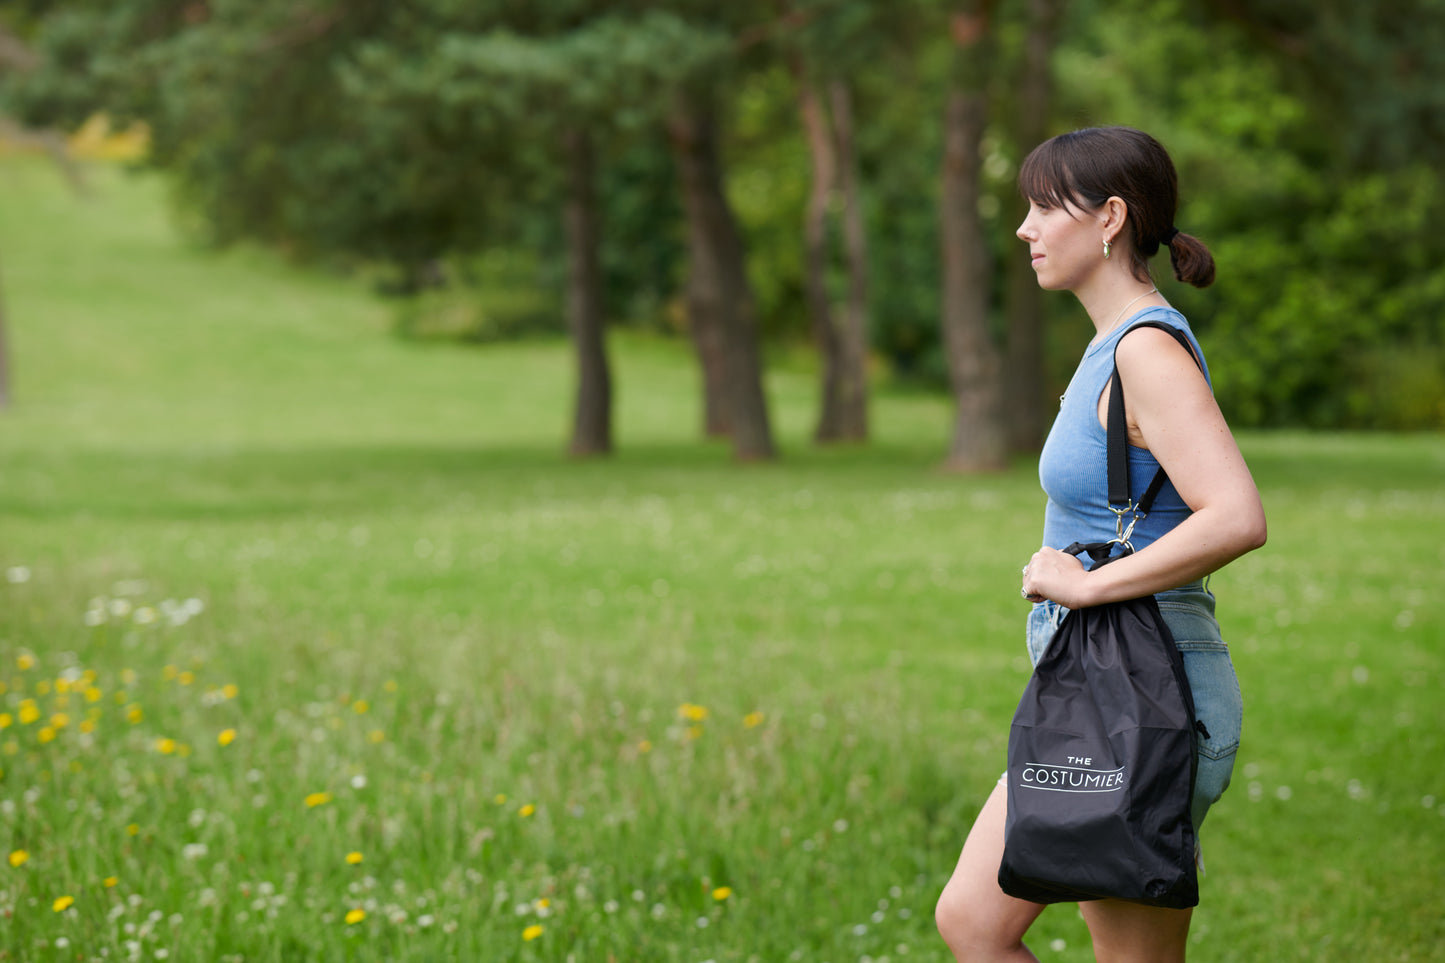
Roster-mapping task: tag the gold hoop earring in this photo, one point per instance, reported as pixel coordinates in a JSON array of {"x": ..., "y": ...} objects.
[{"x": 1106, "y": 250}]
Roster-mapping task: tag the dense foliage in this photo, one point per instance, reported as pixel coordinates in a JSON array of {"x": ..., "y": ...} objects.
[{"x": 424, "y": 136}]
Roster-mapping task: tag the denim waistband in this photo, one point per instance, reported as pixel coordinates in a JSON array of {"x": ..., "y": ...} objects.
[{"x": 1188, "y": 611}]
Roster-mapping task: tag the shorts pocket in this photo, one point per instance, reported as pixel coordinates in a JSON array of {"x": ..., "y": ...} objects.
[
  {"x": 1217, "y": 701},
  {"x": 1043, "y": 622}
]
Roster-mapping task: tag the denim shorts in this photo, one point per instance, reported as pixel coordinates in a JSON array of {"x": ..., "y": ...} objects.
[{"x": 1189, "y": 613}]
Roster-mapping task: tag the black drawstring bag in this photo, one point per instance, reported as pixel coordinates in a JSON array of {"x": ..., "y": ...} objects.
[{"x": 1101, "y": 754}]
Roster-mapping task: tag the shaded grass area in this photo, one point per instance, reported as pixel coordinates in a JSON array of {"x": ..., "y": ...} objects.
[{"x": 663, "y": 707}]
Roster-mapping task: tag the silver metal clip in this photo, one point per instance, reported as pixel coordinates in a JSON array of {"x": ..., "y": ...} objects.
[{"x": 1121, "y": 531}]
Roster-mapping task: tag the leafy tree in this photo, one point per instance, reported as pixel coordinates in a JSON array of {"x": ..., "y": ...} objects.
[
  {"x": 420, "y": 125},
  {"x": 975, "y": 366},
  {"x": 829, "y": 43},
  {"x": 1329, "y": 307},
  {"x": 1028, "y": 113}
]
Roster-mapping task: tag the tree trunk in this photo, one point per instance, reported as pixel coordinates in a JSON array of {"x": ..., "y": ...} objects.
[
  {"x": 704, "y": 289},
  {"x": 1025, "y": 400},
  {"x": 721, "y": 311},
  {"x": 974, "y": 365},
  {"x": 854, "y": 331},
  {"x": 815, "y": 255},
  {"x": 592, "y": 416}
]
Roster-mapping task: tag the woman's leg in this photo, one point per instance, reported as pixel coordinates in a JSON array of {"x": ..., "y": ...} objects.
[
  {"x": 1132, "y": 933},
  {"x": 980, "y": 922}
]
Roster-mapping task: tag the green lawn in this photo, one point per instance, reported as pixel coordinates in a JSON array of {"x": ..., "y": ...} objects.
[{"x": 663, "y": 707}]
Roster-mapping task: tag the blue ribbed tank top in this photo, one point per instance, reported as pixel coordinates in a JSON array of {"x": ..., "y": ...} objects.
[{"x": 1073, "y": 467}]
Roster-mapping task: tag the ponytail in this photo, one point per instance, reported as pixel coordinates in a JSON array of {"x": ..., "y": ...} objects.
[{"x": 1193, "y": 264}]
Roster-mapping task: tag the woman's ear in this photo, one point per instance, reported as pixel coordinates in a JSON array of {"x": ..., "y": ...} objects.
[{"x": 1113, "y": 214}]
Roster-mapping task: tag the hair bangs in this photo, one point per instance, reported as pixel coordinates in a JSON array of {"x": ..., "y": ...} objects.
[{"x": 1045, "y": 178}]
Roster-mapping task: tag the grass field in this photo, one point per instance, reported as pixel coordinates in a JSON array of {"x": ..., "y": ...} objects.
[{"x": 314, "y": 647}]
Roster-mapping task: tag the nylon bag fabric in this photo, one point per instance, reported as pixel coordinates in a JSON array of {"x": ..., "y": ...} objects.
[{"x": 1101, "y": 762}]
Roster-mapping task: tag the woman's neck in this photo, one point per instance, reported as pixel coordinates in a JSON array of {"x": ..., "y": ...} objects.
[{"x": 1113, "y": 300}]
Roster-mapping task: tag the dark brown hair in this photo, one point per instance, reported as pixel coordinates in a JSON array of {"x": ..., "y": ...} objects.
[{"x": 1086, "y": 167}]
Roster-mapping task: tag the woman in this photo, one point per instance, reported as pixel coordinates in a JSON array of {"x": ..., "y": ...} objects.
[{"x": 1101, "y": 203}]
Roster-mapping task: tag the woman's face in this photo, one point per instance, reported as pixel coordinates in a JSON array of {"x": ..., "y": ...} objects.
[{"x": 1065, "y": 245}]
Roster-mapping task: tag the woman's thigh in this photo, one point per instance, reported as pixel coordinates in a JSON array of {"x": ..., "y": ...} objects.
[
  {"x": 974, "y": 915},
  {"x": 1133, "y": 933}
]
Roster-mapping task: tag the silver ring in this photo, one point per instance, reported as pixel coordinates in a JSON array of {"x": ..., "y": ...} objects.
[
  {"x": 1024, "y": 570},
  {"x": 1023, "y": 591}
]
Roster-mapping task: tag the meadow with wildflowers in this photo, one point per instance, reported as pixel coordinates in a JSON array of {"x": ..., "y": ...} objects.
[{"x": 313, "y": 646}]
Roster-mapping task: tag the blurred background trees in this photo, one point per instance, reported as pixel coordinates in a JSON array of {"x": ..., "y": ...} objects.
[{"x": 839, "y": 172}]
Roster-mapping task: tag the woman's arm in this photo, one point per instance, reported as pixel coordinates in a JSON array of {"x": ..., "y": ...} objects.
[{"x": 1173, "y": 413}]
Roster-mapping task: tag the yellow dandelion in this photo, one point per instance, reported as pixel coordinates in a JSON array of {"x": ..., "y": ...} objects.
[
  {"x": 722, "y": 893},
  {"x": 752, "y": 720},
  {"x": 92, "y": 694},
  {"x": 226, "y": 737},
  {"x": 165, "y": 746},
  {"x": 317, "y": 799},
  {"x": 355, "y": 916},
  {"x": 110, "y": 881},
  {"x": 88, "y": 725},
  {"x": 60, "y": 720},
  {"x": 526, "y": 810},
  {"x": 29, "y": 712},
  {"x": 353, "y": 858},
  {"x": 691, "y": 712},
  {"x": 376, "y": 736},
  {"x": 390, "y": 685},
  {"x": 644, "y": 747},
  {"x": 360, "y": 707},
  {"x": 230, "y": 690},
  {"x": 62, "y": 685},
  {"x": 532, "y": 932},
  {"x": 63, "y": 903},
  {"x": 42, "y": 687},
  {"x": 6, "y": 720},
  {"x": 186, "y": 678},
  {"x": 134, "y": 714},
  {"x": 169, "y": 673},
  {"x": 45, "y": 735},
  {"x": 542, "y": 903},
  {"x": 18, "y": 857},
  {"x": 500, "y": 799},
  {"x": 132, "y": 830},
  {"x": 694, "y": 732},
  {"x": 25, "y": 661}
]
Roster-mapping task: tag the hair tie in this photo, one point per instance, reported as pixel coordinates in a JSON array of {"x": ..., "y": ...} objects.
[{"x": 1169, "y": 236}]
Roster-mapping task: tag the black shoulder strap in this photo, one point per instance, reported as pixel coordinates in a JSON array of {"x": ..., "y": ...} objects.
[{"x": 1118, "y": 430}]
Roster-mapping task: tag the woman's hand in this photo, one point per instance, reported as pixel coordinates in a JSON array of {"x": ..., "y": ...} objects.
[{"x": 1056, "y": 576}]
